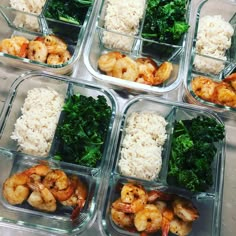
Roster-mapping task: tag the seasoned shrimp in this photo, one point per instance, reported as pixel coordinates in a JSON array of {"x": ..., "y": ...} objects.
[
  {"x": 180, "y": 227},
  {"x": 203, "y": 87},
  {"x": 125, "y": 68},
  {"x": 184, "y": 209},
  {"x": 41, "y": 198},
  {"x": 79, "y": 196},
  {"x": 106, "y": 62},
  {"x": 58, "y": 58},
  {"x": 231, "y": 79},
  {"x": 37, "y": 51},
  {"x": 163, "y": 73},
  {"x": 134, "y": 198},
  {"x": 59, "y": 184},
  {"x": 54, "y": 44},
  {"x": 146, "y": 70},
  {"x": 15, "y": 189},
  {"x": 148, "y": 219},
  {"x": 122, "y": 219},
  {"x": 154, "y": 195}
]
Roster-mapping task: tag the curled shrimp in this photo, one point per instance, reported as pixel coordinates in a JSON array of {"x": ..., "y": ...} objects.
[
  {"x": 184, "y": 209},
  {"x": 15, "y": 189},
  {"x": 58, "y": 58},
  {"x": 146, "y": 70},
  {"x": 54, "y": 44},
  {"x": 59, "y": 184},
  {"x": 122, "y": 219},
  {"x": 37, "y": 51},
  {"x": 180, "y": 227},
  {"x": 41, "y": 198},
  {"x": 79, "y": 196},
  {"x": 231, "y": 79},
  {"x": 163, "y": 73},
  {"x": 125, "y": 68},
  {"x": 133, "y": 198},
  {"x": 106, "y": 62},
  {"x": 149, "y": 219}
]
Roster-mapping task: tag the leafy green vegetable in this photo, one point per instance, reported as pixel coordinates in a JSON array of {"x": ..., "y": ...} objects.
[
  {"x": 193, "y": 150},
  {"x": 83, "y": 130},
  {"x": 73, "y": 11},
  {"x": 165, "y": 20}
]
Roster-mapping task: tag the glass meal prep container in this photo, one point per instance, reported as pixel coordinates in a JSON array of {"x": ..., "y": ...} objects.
[
  {"x": 15, "y": 161},
  {"x": 73, "y": 35},
  {"x": 218, "y": 62},
  {"x": 103, "y": 39},
  {"x": 208, "y": 203}
]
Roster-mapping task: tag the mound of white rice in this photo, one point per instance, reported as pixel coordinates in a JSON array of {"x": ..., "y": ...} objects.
[
  {"x": 35, "y": 128},
  {"x": 145, "y": 134},
  {"x": 122, "y": 16},
  {"x": 29, "y": 6},
  {"x": 213, "y": 39}
]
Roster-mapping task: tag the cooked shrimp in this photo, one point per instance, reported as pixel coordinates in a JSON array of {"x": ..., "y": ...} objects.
[
  {"x": 146, "y": 70},
  {"x": 122, "y": 219},
  {"x": 107, "y": 61},
  {"x": 148, "y": 219},
  {"x": 203, "y": 87},
  {"x": 58, "y": 58},
  {"x": 54, "y": 44},
  {"x": 41, "y": 198},
  {"x": 180, "y": 227},
  {"x": 185, "y": 209},
  {"x": 125, "y": 68},
  {"x": 40, "y": 169},
  {"x": 231, "y": 79},
  {"x": 59, "y": 184},
  {"x": 154, "y": 195},
  {"x": 134, "y": 198},
  {"x": 167, "y": 217},
  {"x": 163, "y": 73},
  {"x": 37, "y": 51},
  {"x": 78, "y": 198},
  {"x": 225, "y": 95},
  {"x": 15, "y": 189}
]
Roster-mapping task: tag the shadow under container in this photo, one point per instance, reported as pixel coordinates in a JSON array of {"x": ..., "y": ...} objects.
[
  {"x": 134, "y": 46},
  {"x": 73, "y": 35},
  {"x": 209, "y": 66},
  {"x": 208, "y": 203},
  {"x": 13, "y": 161}
]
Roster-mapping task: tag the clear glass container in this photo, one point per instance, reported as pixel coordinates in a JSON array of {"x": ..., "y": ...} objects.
[
  {"x": 211, "y": 66},
  {"x": 134, "y": 46},
  {"x": 208, "y": 203},
  {"x": 73, "y": 35},
  {"x": 15, "y": 161}
]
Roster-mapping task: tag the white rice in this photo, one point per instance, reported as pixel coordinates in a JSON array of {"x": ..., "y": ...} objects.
[
  {"x": 213, "y": 39},
  {"x": 122, "y": 16},
  {"x": 141, "y": 152},
  {"x": 29, "y": 6},
  {"x": 35, "y": 128}
]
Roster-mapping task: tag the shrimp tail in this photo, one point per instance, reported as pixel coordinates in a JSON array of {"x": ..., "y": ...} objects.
[
  {"x": 167, "y": 217},
  {"x": 153, "y": 195}
]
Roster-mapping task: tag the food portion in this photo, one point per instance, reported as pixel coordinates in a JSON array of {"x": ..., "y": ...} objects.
[
  {"x": 35, "y": 128},
  {"x": 29, "y": 6},
  {"x": 123, "y": 17},
  {"x": 48, "y": 49},
  {"x": 150, "y": 211},
  {"x": 82, "y": 132},
  {"x": 73, "y": 11},
  {"x": 141, "y": 70},
  {"x": 45, "y": 189},
  {"x": 141, "y": 149},
  {"x": 165, "y": 21},
  {"x": 213, "y": 39},
  {"x": 222, "y": 93},
  {"x": 193, "y": 151}
]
